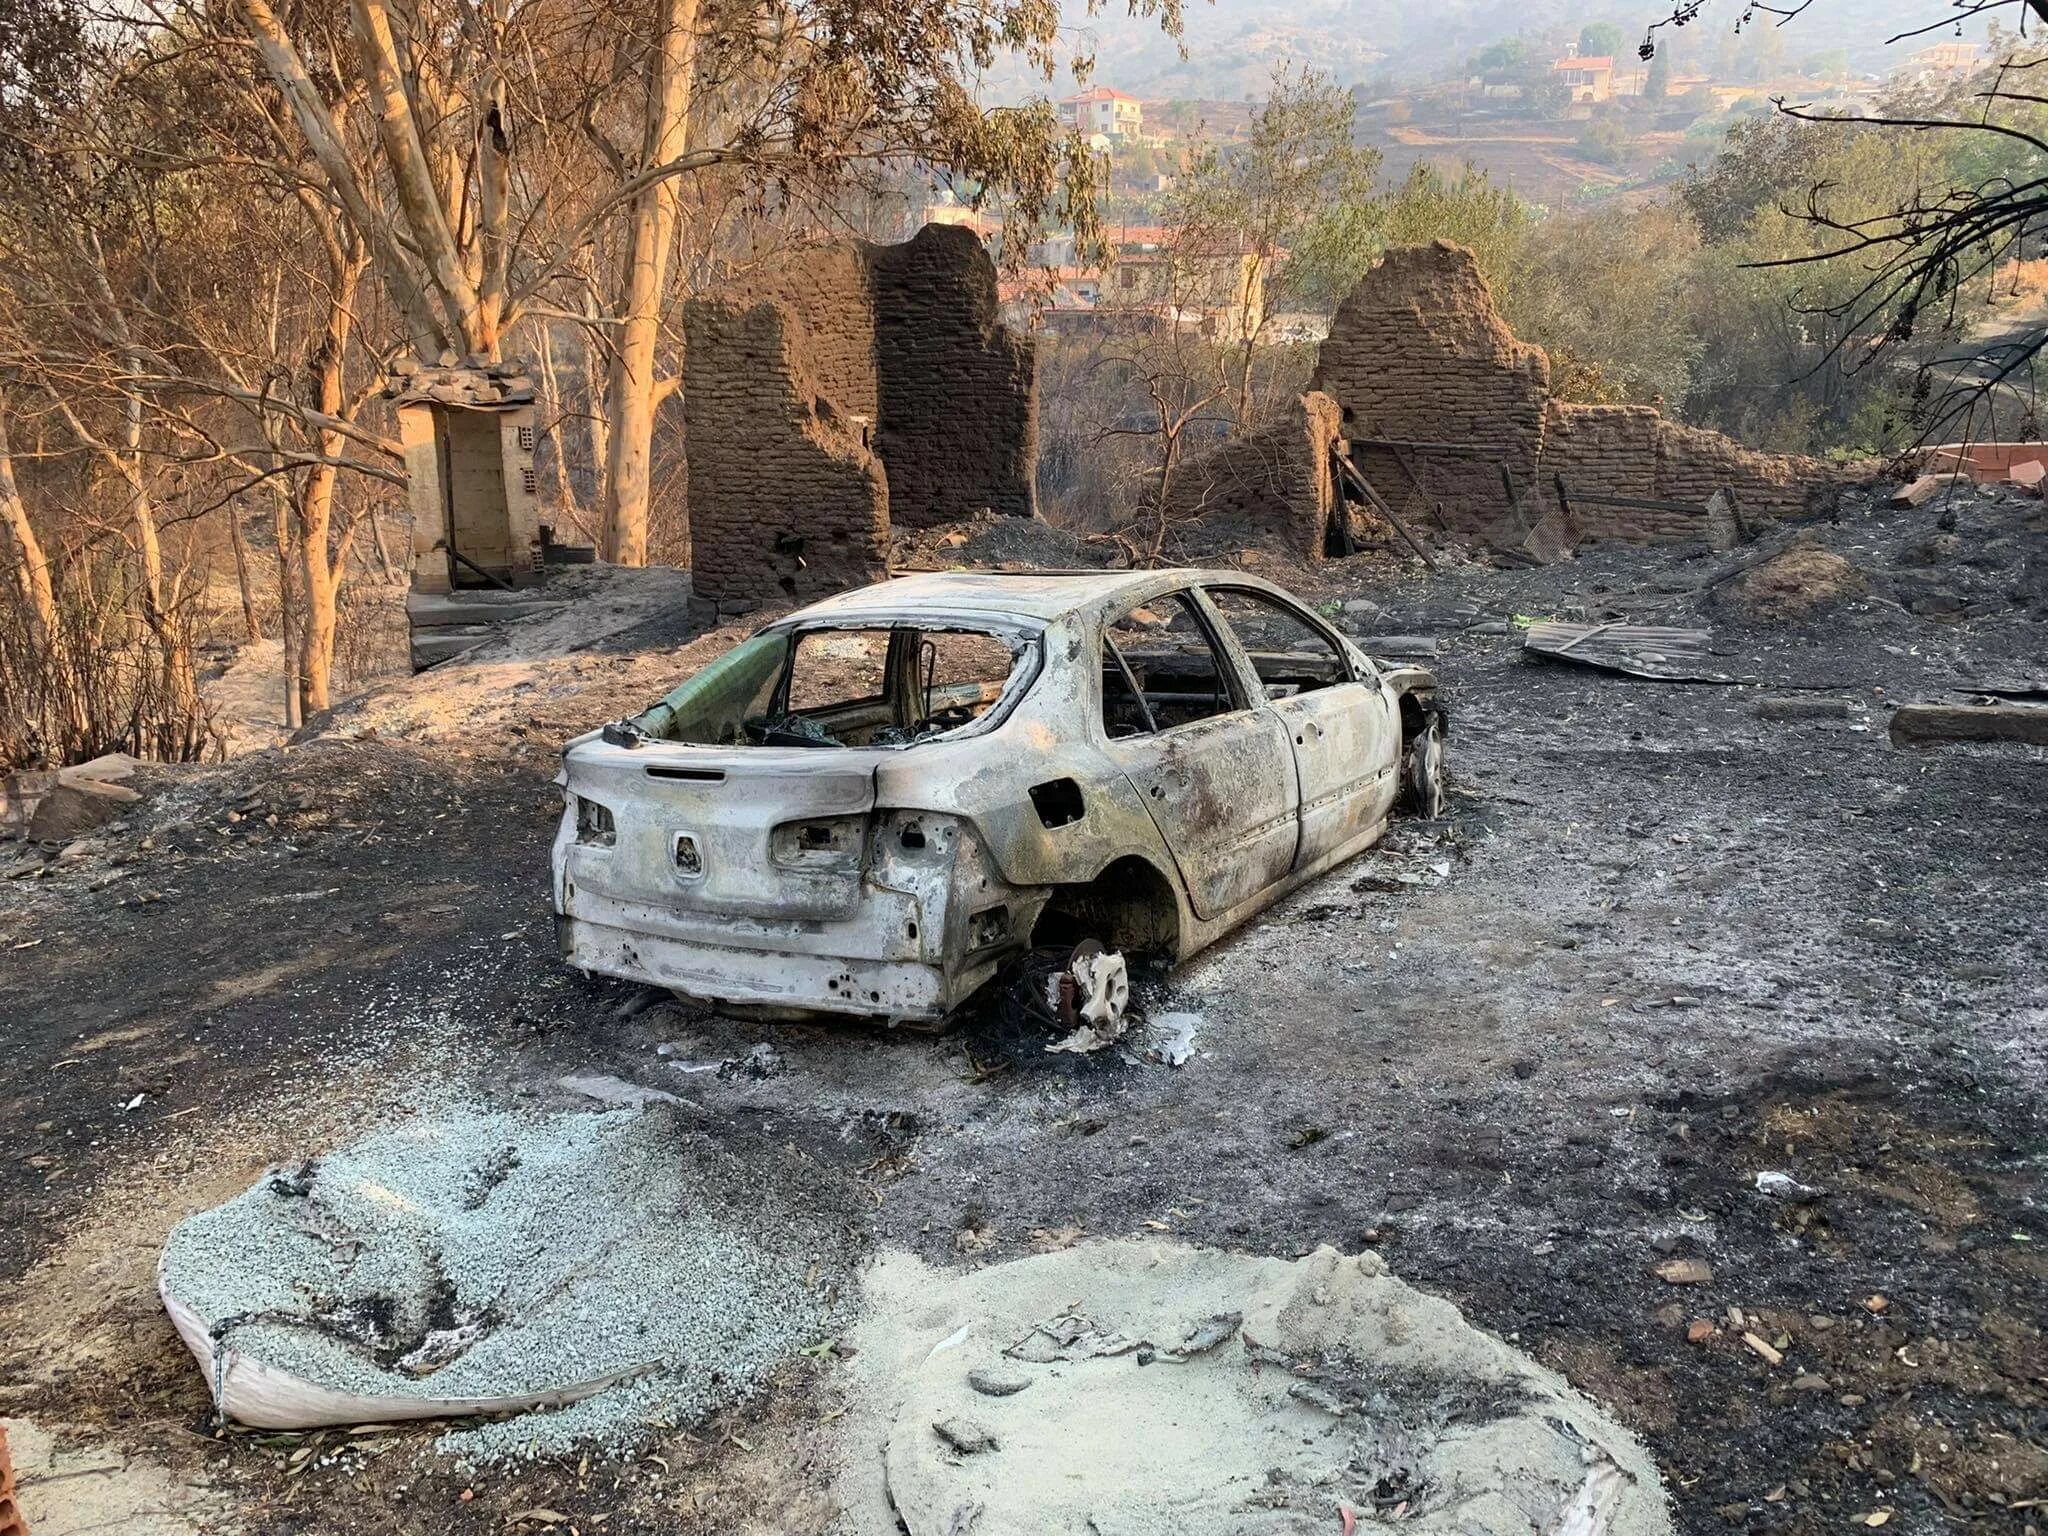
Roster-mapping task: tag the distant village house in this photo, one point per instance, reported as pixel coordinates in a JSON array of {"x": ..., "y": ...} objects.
[
  {"x": 1100, "y": 112},
  {"x": 1589, "y": 77}
]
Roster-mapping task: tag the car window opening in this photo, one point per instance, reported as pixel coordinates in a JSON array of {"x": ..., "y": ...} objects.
[
  {"x": 1289, "y": 654},
  {"x": 885, "y": 685},
  {"x": 1160, "y": 669}
]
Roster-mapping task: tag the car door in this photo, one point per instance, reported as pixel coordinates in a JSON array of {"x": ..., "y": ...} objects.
[
  {"x": 1213, "y": 765},
  {"x": 1339, "y": 721}
]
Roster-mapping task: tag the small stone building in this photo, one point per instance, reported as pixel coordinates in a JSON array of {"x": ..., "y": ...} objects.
[
  {"x": 467, "y": 431},
  {"x": 478, "y": 544},
  {"x": 847, "y": 390}
]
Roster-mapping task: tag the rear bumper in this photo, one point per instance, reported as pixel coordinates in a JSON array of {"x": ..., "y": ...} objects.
[{"x": 716, "y": 973}]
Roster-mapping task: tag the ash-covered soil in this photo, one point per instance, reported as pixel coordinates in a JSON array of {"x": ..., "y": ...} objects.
[{"x": 1528, "y": 1054}]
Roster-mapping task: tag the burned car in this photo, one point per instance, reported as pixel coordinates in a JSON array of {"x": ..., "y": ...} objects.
[{"x": 875, "y": 803}]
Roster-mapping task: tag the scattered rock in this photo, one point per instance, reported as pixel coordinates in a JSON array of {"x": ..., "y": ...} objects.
[
  {"x": 1783, "y": 1185},
  {"x": 1699, "y": 1330},
  {"x": 1685, "y": 1271},
  {"x": 992, "y": 1381},
  {"x": 1802, "y": 709},
  {"x": 1921, "y": 724},
  {"x": 69, "y": 810},
  {"x": 761, "y": 1062},
  {"x": 1771, "y": 1356},
  {"x": 1401, "y": 647},
  {"x": 964, "y": 1436}
]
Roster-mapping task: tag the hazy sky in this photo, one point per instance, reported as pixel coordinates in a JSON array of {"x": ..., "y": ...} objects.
[{"x": 1238, "y": 41}]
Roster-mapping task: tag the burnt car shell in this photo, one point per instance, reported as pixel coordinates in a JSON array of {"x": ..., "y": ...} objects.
[{"x": 885, "y": 854}]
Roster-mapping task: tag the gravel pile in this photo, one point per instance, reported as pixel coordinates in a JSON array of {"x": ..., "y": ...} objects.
[{"x": 483, "y": 1254}]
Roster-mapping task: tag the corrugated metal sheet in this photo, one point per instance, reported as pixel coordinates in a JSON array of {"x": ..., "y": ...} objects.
[{"x": 1641, "y": 650}]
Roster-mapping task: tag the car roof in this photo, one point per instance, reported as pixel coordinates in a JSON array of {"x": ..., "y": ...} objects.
[{"x": 1045, "y": 595}]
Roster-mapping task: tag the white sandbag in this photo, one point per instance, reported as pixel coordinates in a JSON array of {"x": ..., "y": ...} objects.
[{"x": 263, "y": 1397}]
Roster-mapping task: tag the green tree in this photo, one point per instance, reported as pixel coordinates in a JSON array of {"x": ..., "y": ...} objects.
[
  {"x": 1607, "y": 294},
  {"x": 1499, "y": 61},
  {"x": 1763, "y": 162},
  {"x": 1259, "y": 199},
  {"x": 1789, "y": 357},
  {"x": 1599, "y": 39},
  {"x": 1466, "y": 207}
]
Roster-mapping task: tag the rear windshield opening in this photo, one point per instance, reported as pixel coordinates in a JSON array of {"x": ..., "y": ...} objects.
[{"x": 876, "y": 686}]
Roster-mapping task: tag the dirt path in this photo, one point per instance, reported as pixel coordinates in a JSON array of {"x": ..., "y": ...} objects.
[{"x": 1673, "y": 946}]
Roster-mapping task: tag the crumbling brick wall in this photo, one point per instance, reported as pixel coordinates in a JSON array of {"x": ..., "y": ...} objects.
[
  {"x": 842, "y": 389},
  {"x": 787, "y": 498},
  {"x": 1418, "y": 357},
  {"x": 1693, "y": 463},
  {"x": 1437, "y": 395},
  {"x": 959, "y": 406},
  {"x": 1271, "y": 486},
  {"x": 825, "y": 293}
]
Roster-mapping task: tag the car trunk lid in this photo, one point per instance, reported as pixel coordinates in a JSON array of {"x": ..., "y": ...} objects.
[{"x": 773, "y": 833}]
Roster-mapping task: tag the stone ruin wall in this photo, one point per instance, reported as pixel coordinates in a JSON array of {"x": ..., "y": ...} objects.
[
  {"x": 843, "y": 390},
  {"x": 1418, "y": 355},
  {"x": 1274, "y": 483},
  {"x": 959, "y": 402},
  {"x": 787, "y": 500}
]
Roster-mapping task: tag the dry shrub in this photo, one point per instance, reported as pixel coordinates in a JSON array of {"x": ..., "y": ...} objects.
[{"x": 100, "y": 685}]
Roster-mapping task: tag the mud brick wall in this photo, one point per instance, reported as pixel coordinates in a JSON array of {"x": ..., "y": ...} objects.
[
  {"x": 824, "y": 292},
  {"x": 787, "y": 498},
  {"x": 1418, "y": 352},
  {"x": 1631, "y": 450},
  {"x": 958, "y": 388},
  {"x": 12, "y": 1522},
  {"x": 838, "y": 389},
  {"x": 1272, "y": 487},
  {"x": 1693, "y": 463},
  {"x": 1611, "y": 449}
]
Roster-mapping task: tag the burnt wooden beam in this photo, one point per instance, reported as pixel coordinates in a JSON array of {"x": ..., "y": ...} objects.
[
  {"x": 1926, "y": 725},
  {"x": 1358, "y": 482}
]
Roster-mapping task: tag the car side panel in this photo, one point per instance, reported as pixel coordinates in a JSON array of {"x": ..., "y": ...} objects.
[
  {"x": 1346, "y": 743},
  {"x": 1222, "y": 792}
]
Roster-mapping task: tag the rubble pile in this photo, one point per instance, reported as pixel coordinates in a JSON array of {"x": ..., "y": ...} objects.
[{"x": 1144, "y": 1387}]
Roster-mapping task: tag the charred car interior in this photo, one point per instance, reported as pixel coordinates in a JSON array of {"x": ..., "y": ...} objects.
[
  {"x": 881, "y": 685},
  {"x": 876, "y": 803}
]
